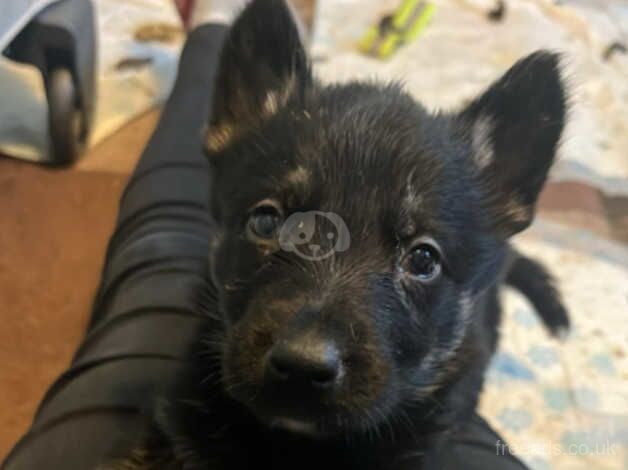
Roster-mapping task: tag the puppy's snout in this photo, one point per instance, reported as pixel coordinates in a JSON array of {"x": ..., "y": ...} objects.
[{"x": 311, "y": 363}]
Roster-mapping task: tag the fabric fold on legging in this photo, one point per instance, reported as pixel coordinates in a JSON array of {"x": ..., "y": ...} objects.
[{"x": 144, "y": 315}]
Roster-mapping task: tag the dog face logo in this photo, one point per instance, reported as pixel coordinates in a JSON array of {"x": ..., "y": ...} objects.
[{"x": 314, "y": 235}]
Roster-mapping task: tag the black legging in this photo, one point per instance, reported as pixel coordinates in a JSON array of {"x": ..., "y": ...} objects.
[{"x": 144, "y": 314}]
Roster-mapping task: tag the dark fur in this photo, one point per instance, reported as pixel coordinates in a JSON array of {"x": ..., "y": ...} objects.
[
  {"x": 532, "y": 280},
  {"x": 414, "y": 354}
]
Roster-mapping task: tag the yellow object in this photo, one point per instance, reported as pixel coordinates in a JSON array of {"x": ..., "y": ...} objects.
[{"x": 383, "y": 40}]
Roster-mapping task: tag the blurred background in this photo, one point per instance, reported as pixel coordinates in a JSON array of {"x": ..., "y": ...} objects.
[{"x": 81, "y": 83}]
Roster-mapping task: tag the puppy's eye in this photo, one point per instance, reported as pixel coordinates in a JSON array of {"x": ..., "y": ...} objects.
[
  {"x": 264, "y": 222},
  {"x": 424, "y": 262}
]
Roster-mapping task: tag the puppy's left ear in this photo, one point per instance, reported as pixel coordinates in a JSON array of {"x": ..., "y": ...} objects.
[
  {"x": 263, "y": 66},
  {"x": 514, "y": 129}
]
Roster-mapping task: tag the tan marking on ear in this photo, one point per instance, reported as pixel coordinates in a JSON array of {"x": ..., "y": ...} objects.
[
  {"x": 481, "y": 133},
  {"x": 517, "y": 212},
  {"x": 271, "y": 104},
  {"x": 218, "y": 137},
  {"x": 275, "y": 99}
]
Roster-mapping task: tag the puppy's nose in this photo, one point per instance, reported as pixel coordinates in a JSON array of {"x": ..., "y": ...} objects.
[{"x": 309, "y": 363}]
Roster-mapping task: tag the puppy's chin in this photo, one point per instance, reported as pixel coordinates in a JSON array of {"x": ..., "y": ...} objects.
[
  {"x": 298, "y": 423},
  {"x": 295, "y": 421}
]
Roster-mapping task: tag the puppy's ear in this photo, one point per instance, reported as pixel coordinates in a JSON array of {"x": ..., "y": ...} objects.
[
  {"x": 263, "y": 66},
  {"x": 514, "y": 129}
]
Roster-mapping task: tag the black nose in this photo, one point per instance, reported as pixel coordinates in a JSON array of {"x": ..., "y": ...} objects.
[{"x": 310, "y": 363}]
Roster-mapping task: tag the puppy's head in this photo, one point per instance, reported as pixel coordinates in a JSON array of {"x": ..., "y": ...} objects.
[{"x": 357, "y": 229}]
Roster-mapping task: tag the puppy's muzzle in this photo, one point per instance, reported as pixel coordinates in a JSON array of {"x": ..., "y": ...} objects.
[{"x": 308, "y": 364}]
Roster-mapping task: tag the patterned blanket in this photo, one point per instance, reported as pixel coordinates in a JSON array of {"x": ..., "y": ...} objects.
[{"x": 564, "y": 405}]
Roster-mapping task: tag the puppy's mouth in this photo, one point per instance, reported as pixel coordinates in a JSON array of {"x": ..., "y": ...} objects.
[
  {"x": 303, "y": 421},
  {"x": 300, "y": 427},
  {"x": 309, "y": 428}
]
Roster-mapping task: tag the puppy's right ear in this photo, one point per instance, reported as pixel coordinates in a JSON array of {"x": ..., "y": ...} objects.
[
  {"x": 514, "y": 129},
  {"x": 263, "y": 67}
]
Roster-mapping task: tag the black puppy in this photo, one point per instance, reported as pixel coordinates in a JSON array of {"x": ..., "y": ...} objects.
[{"x": 362, "y": 244}]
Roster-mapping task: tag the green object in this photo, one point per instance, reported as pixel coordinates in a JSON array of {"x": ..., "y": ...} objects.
[{"x": 393, "y": 31}]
